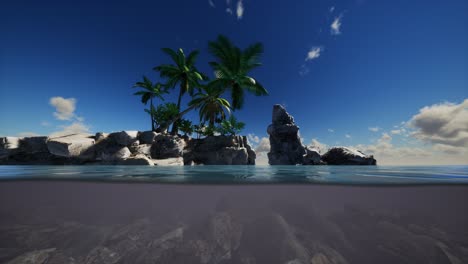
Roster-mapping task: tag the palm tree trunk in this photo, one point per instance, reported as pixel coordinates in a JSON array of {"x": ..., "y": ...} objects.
[
  {"x": 151, "y": 115},
  {"x": 163, "y": 127},
  {"x": 175, "y": 126}
]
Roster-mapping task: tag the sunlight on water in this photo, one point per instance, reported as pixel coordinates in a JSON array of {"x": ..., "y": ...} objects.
[{"x": 245, "y": 174}]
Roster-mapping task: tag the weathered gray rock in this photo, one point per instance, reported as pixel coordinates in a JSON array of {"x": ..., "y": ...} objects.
[
  {"x": 100, "y": 136},
  {"x": 167, "y": 146},
  {"x": 136, "y": 160},
  {"x": 115, "y": 153},
  {"x": 285, "y": 144},
  {"x": 219, "y": 150},
  {"x": 144, "y": 149},
  {"x": 169, "y": 162},
  {"x": 33, "y": 144},
  {"x": 347, "y": 156},
  {"x": 134, "y": 146},
  {"x": 72, "y": 146},
  {"x": 103, "y": 148},
  {"x": 124, "y": 138},
  {"x": 147, "y": 137},
  {"x": 312, "y": 157}
]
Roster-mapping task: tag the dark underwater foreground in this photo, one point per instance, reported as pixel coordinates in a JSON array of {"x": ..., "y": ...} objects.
[{"x": 95, "y": 222}]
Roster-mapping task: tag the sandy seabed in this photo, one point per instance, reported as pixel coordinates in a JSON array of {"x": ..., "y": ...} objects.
[{"x": 92, "y": 222}]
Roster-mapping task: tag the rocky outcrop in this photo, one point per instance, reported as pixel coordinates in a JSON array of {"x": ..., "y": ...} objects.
[
  {"x": 286, "y": 147},
  {"x": 285, "y": 144},
  {"x": 220, "y": 150},
  {"x": 167, "y": 146},
  {"x": 72, "y": 146},
  {"x": 126, "y": 148},
  {"x": 124, "y": 138},
  {"x": 347, "y": 156},
  {"x": 147, "y": 137},
  {"x": 311, "y": 157}
]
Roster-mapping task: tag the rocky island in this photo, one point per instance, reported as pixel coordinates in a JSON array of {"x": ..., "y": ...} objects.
[
  {"x": 152, "y": 148},
  {"x": 286, "y": 147},
  {"x": 127, "y": 148}
]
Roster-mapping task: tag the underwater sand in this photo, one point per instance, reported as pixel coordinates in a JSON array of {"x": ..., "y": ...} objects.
[{"x": 97, "y": 222}]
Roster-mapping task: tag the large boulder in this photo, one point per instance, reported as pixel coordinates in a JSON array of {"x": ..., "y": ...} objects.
[
  {"x": 136, "y": 160},
  {"x": 168, "y": 162},
  {"x": 33, "y": 144},
  {"x": 144, "y": 149},
  {"x": 347, "y": 156},
  {"x": 72, "y": 146},
  {"x": 101, "y": 136},
  {"x": 220, "y": 150},
  {"x": 285, "y": 144},
  {"x": 124, "y": 138},
  {"x": 167, "y": 146},
  {"x": 115, "y": 153},
  {"x": 147, "y": 137},
  {"x": 312, "y": 157}
]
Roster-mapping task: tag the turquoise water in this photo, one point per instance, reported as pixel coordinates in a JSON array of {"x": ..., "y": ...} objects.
[{"x": 373, "y": 175}]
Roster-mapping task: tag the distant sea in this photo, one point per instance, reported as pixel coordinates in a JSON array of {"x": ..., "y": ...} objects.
[{"x": 367, "y": 175}]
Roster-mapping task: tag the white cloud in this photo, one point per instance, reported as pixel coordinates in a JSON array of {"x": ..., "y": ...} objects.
[
  {"x": 332, "y": 9},
  {"x": 261, "y": 150},
  {"x": 229, "y": 10},
  {"x": 387, "y": 154},
  {"x": 314, "y": 53},
  {"x": 443, "y": 124},
  {"x": 74, "y": 128},
  {"x": 210, "y": 2},
  {"x": 253, "y": 138},
  {"x": 335, "y": 27},
  {"x": 64, "y": 108},
  {"x": 45, "y": 123},
  {"x": 331, "y": 130},
  {"x": 240, "y": 9},
  {"x": 374, "y": 129},
  {"x": 263, "y": 146},
  {"x": 347, "y": 136},
  {"x": 385, "y": 137},
  {"x": 396, "y": 131},
  {"x": 322, "y": 147}
]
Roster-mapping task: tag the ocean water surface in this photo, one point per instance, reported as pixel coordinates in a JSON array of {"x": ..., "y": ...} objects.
[{"x": 373, "y": 175}]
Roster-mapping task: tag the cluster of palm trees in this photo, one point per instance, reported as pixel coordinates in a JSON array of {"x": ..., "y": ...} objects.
[{"x": 231, "y": 69}]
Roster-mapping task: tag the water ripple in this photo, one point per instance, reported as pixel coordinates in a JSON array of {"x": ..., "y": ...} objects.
[{"x": 375, "y": 175}]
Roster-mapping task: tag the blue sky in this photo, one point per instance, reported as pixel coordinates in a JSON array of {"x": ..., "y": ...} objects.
[{"x": 340, "y": 67}]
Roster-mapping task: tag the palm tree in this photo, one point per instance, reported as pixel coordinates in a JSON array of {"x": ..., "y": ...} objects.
[
  {"x": 182, "y": 72},
  {"x": 212, "y": 107},
  {"x": 232, "y": 68},
  {"x": 149, "y": 92}
]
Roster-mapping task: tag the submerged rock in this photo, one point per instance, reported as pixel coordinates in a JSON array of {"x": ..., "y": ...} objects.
[
  {"x": 33, "y": 257},
  {"x": 347, "y": 156},
  {"x": 285, "y": 144},
  {"x": 136, "y": 160}
]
